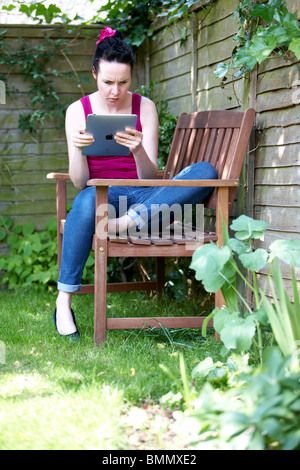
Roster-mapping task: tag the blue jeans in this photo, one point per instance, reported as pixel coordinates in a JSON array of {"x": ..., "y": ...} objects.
[{"x": 137, "y": 202}]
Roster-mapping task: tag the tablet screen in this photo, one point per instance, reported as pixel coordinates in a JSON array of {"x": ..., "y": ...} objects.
[{"x": 103, "y": 127}]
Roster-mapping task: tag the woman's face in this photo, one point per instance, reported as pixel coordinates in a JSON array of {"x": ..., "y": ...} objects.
[{"x": 113, "y": 81}]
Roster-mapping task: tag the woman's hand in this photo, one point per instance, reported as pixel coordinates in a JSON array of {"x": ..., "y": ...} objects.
[
  {"x": 131, "y": 138},
  {"x": 81, "y": 139}
]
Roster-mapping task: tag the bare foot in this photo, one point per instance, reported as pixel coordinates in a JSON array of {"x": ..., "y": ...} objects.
[
  {"x": 64, "y": 319},
  {"x": 120, "y": 225}
]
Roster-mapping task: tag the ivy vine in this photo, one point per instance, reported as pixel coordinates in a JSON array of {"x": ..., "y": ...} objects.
[
  {"x": 34, "y": 63},
  {"x": 265, "y": 28},
  {"x": 136, "y": 19}
]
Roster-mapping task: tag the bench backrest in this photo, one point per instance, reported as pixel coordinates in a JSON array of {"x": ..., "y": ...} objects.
[{"x": 218, "y": 137}]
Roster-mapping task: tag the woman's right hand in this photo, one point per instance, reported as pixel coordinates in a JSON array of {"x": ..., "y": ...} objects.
[{"x": 81, "y": 139}]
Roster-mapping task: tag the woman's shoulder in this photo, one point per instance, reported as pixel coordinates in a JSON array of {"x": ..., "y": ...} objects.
[
  {"x": 75, "y": 106},
  {"x": 75, "y": 115},
  {"x": 147, "y": 104}
]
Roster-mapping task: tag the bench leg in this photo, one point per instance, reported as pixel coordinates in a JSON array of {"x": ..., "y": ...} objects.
[{"x": 100, "y": 265}]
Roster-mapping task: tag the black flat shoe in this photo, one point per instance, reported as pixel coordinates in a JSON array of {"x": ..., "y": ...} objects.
[{"x": 73, "y": 336}]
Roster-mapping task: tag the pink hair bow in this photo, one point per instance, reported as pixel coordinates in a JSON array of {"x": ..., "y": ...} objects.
[{"x": 105, "y": 33}]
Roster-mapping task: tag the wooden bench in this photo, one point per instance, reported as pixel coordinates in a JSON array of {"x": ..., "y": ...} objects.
[{"x": 219, "y": 137}]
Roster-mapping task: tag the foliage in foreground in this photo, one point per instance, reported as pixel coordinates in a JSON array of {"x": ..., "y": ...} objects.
[
  {"x": 245, "y": 406},
  {"x": 241, "y": 324}
]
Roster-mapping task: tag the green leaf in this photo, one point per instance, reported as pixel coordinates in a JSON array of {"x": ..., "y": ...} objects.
[
  {"x": 28, "y": 229},
  {"x": 6, "y": 221},
  {"x": 2, "y": 234},
  {"x": 221, "y": 70},
  {"x": 208, "y": 262},
  {"x": 264, "y": 11},
  {"x": 235, "y": 332},
  {"x": 255, "y": 260},
  {"x": 260, "y": 47},
  {"x": 295, "y": 47},
  {"x": 286, "y": 250},
  {"x": 246, "y": 227},
  {"x": 204, "y": 368},
  {"x": 238, "y": 246}
]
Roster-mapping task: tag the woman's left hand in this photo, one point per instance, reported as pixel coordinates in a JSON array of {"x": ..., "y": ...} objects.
[{"x": 131, "y": 138}]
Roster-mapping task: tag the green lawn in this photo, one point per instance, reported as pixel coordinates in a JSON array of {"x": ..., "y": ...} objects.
[{"x": 59, "y": 395}]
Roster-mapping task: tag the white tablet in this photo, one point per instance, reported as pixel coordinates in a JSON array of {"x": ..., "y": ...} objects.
[{"x": 103, "y": 127}]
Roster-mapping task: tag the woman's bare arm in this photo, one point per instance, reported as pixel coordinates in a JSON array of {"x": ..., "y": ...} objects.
[{"x": 77, "y": 139}]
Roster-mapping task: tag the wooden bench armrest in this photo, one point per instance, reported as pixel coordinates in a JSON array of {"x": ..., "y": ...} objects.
[
  {"x": 66, "y": 176},
  {"x": 58, "y": 176},
  {"x": 157, "y": 182}
]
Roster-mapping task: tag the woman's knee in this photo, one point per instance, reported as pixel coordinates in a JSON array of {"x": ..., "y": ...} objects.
[
  {"x": 209, "y": 170},
  {"x": 199, "y": 170},
  {"x": 83, "y": 207}
]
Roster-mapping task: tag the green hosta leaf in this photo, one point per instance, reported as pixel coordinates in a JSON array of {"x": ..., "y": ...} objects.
[
  {"x": 286, "y": 250},
  {"x": 255, "y": 260},
  {"x": 246, "y": 228},
  {"x": 238, "y": 246},
  {"x": 208, "y": 261},
  {"x": 235, "y": 332}
]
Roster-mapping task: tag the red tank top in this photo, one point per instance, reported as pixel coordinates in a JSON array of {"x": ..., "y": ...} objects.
[{"x": 117, "y": 166}]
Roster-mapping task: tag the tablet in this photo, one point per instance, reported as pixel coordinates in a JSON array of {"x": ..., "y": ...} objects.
[{"x": 103, "y": 127}]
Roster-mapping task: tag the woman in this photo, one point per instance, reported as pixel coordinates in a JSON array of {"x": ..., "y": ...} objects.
[{"x": 112, "y": 70}]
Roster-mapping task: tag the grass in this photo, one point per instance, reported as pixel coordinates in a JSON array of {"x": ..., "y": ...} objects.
[{"x": 60, "y": 395}]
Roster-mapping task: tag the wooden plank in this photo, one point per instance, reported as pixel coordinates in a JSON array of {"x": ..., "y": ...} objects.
[
  {"x": 279, "y": 218},
  {"x": 278, "y": 99},
  {"x": 167, "y": 183},
  {"x": 276, "y": 136},
  {"x": 277, "y": 118},
  {"x": 171, "y": 69},
  {"x": 175, "y": 87},
  {"x": 24, "y": 208},
  {"x": 277, "y": 196},
  {"x": 156, "y": 322},
  {"x": 218, "y": 98},
  {"x": 279, "y": 78},
  {"x": 211, "y": 54},
  {"x": 41, "y": 149},
  {"x": 278, "y": 177},
  {"x": 277, "y": 156}
]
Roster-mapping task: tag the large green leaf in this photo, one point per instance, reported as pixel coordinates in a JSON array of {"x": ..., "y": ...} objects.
[
  {"x": 235, "y": 331},
  {"x": 255, "y": 260},
  {"x": 209, "y": 261},
  {"x": 286, "y": 250},
  {"x": 246, "y": 227}
]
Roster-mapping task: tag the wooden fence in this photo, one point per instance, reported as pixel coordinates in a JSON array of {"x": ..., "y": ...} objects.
[
  {"x": 271, "y": 183},
  {"x": 25, "y": 159}
]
